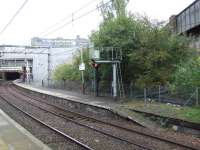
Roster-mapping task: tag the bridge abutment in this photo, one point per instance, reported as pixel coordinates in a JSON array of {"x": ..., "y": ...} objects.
[{"x": 2, "y": 76}]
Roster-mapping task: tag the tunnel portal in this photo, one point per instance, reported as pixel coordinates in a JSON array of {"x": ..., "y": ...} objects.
[
  {"x": 12, "y": 75},
  {"x": 9, "y": 76}
]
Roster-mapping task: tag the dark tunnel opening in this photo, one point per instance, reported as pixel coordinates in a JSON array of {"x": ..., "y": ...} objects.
[{"x": 12, "y": 76}]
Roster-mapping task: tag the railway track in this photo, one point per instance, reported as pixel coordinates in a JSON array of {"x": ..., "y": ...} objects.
[
  {"x": 114, "y": 142},
  {"x": 79, "y": 121},
  {"x": 77, "y": 117},
  {"x": 93, "y": 124},
  {"x": 175, "y": 121},
  {"x": 70, "y": 139}
]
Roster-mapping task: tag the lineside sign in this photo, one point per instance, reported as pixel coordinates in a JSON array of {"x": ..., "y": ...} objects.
[{"x": 82, "y": 67}]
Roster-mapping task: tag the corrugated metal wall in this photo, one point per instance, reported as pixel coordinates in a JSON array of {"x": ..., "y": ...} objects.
[{"x": 189, "y": 18}]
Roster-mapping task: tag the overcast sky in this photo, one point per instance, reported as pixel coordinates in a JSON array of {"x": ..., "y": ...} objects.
[{"x": 38, "y": 15}]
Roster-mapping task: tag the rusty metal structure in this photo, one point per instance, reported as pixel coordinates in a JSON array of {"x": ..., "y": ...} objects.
[
  {"x": 188, "y": 20},
  {"x": 111, "y": 56}
]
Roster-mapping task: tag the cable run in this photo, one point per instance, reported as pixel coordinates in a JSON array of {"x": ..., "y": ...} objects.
[
  {"x": 63, "y": 53},
  {"x": 11, "y": 20},
  {"x": 83, "y": 15},
  {"x": 69, "y": 16}
]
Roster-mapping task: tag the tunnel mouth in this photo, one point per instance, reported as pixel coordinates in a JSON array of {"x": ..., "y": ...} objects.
[{"x": 9, "y": 76}]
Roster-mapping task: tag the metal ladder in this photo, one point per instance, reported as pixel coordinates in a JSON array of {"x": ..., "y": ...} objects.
[{"x": 120, "y": 81}]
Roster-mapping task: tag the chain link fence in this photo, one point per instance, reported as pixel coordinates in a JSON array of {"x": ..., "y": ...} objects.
[
  {"x": 163, "y": 94},
  {"x": 105, "y": 89}
]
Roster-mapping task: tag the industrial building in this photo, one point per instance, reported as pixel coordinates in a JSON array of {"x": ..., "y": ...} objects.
[
  {"x": 37, "y": 61},
  {"x": 60, "y": 42},
  {"x": 187, "y": 22}
]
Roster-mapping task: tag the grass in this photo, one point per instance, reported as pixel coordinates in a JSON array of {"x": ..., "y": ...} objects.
[
  {"x": 192, "y": 114},
  {"x": 186, "y": 113}
]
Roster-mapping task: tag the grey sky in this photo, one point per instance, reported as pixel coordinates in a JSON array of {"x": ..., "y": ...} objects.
[{"x": 38, "y": 15}]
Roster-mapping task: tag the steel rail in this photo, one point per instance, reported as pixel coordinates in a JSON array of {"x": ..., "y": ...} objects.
[
  {"x": 127, "y": 129},
  {"x": 48, "y": 126},
  {"x": 81, "y": 124}
]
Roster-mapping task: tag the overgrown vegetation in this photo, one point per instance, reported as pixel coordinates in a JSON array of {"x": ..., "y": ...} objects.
[
  {"x": 152, "y": 55},
  {"x": 71, "y": 71},
  {"x": 185, "y": 113},
  {"x": 187, "y": 76}
]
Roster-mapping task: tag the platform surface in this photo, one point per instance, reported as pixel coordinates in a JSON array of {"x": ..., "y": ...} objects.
[
  {"x": 14, "y": 137},
  {"x": 102, "y": 102}
]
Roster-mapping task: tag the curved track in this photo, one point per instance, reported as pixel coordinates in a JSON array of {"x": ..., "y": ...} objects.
[
  {"x": 66, "y": 136},
  {"x": 76, "y": 117},
  {"x": 93, "y": 123}
]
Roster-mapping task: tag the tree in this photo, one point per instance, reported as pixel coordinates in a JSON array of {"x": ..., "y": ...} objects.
[
  {"x": 71, "y": 71},
  {"x": 157, "y": 55},
  {"x": 120, "y": 7},
  {"x": 151, "y": 54},
  {"x": 150, "y": 51},
  {"x": 187, "y": 76},
  {"x": 116, "y": 9},
  {"x": 66, "y": 72}
]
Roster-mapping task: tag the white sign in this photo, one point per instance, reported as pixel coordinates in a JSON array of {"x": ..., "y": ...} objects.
[
  {"x": 96, "y": 54},
  {"x": 82, "y": 67}
]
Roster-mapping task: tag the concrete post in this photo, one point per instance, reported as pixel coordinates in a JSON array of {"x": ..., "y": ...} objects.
[
  {"x": 96, "y": 83},
  {"x": 114, "y": 80},
  {"x": 159, "y": 94},
  {"x": 27, "y": 71},
  {"x": 48, "y": 68},
  {"x": 145, "y": 96},
  {"x": 4, "y": 76},
  {"x": 82, "y": 73},
  {"x": 197, "y": 96}
]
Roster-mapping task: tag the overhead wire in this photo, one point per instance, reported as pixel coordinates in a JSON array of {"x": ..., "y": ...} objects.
[
  {"x": 77, "y": 18},
  {"x": 67, "y": 17},
  {"x": 13, "y": 17},
  {"x": 63, "y": 52}
]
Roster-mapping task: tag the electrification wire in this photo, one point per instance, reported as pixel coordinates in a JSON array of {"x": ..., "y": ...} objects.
[
  {"x": 43, "y": 50},
  {"x": 14, "y": 16},
  {"x": 81, "y": 16},
  {"x": 63, "y": 52},
  {"x": 12, "y": 52},
  {"x": 69, "y": 16}
]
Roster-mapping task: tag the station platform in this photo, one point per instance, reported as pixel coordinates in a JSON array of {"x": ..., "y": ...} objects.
[
  {"x": 103, "y": 102},
  {"x": 15, "y": 137}
]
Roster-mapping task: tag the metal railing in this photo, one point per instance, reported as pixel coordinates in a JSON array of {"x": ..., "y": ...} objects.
[{"x": 106, "y": 53}]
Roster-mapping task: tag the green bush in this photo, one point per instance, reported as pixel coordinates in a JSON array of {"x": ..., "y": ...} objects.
[
  {"x": 187, "y": 76},
  {"x": 150, "y": 52},
  {"x": 71, "y": 71},
  {"x": 66, "y": 72}
]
